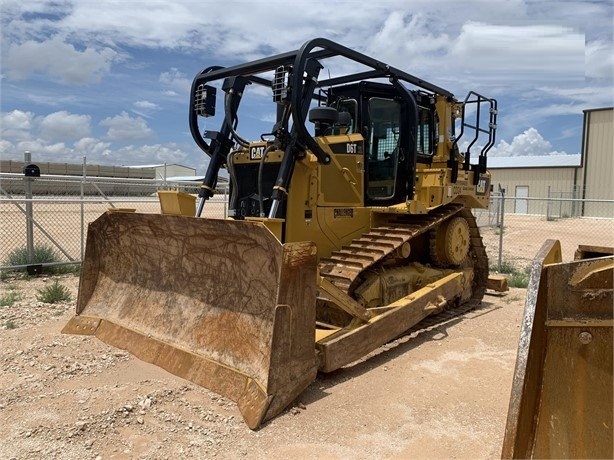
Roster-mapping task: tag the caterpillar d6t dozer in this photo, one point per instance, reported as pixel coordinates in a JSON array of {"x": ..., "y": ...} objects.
[{"x": 344, "y": 231}]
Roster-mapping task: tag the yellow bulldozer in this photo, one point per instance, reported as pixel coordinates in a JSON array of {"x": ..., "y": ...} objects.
[{"x": 350, "y": 222}]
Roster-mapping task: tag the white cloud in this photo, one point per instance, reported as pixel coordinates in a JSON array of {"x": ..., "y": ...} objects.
[
  {"x": 175, "y": 81},
  {"x": 407, "y": 39},
  {"x": 6, "y": 148},
  {"x": 91, "y": 147},
  {"x": 146, "y": 105},
  {"x": 60, "y": 59},
  {"x": 600, "y": 60},
  {"x": 20, "y": 126},
  {"x": 16, "y": 125},
  {"x": 535, "y": 52},
  {"x": 148, "y": 154},
  {"x": 123, "y": 127},
  {"x": 533, "y": 56},
  {"x": 64, "y": 126},
  {"x": 530, "y": 142},
  {"x": 42, "y": 149},
  {"x": 145, "y": 108}
]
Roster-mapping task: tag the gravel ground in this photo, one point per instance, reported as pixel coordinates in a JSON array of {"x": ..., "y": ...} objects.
[{"x": 441, "y": 391}]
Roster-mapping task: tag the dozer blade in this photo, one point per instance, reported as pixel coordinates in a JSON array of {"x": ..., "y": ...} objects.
[
  {"x": 561, "y": 403},
  {"x": 220, "y": 303}
]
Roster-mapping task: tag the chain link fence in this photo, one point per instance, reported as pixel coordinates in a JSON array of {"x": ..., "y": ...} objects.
[
  {"x": 512, "y": 239},
  {"x": 50, "y": 214},
  {"x": 44, "y": 219}
]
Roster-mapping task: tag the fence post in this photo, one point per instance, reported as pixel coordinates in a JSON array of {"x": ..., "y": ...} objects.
[
  {"x": 27, "y": 181},
  {"x": 83, "y": 178},
  {"x": 548, "y": 205},
  {"x": 502, "y": 207}
]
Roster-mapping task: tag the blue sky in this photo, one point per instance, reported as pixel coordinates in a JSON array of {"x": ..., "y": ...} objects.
[{"x": 109, "y": 80}]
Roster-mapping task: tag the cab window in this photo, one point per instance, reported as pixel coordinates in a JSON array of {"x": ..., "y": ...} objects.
[
  {"x": 350, "y": 106},
  {"x": 383, "y": 147},
  {"x": 424, "y": 135}
]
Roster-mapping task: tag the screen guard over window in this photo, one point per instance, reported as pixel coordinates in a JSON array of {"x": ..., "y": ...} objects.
[
  {"x": 383, "y": 147},
  {"x": 425, "y": 133}
]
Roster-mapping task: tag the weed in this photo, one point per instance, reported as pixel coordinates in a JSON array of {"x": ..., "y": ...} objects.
[
  {"x": 9, "y": 298},
  {"x": 506, "y": 267},
  {"x": 10, "y": 325},
  {"x": 42, "y": 254},
  {"x": 54, "y": 293},
  {"x": 520, "y": 279},
  {"x": 516, "y": 278}
]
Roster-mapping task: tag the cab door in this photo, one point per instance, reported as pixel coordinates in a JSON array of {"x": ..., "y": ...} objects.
[{"x": 389, "y": 128}]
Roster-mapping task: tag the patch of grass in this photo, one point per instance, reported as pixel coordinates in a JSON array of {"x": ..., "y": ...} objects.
[
  {"x": 42, "y": 254},
  {"x": 10, "y": 325},
  {"x": 505, "y": 268},
  {"x": 54, "y": 293},
  {"x": 520, "y": 278},
  {"x": 8, "y": 299},
  {"x": 516, "y": 278}
]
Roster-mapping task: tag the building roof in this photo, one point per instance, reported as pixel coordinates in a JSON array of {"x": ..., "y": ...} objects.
[
  {"x": 536, "y": 161},
  {"x": 598, "y": 109},
  {"x": 159, "y": 165},
  {"x": 220, "y": 179}
]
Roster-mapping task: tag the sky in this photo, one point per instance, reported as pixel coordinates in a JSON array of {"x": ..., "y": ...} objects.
[{"x": 109, "y": 80}]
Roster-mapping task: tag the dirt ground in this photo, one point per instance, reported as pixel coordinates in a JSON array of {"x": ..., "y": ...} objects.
[{"x": 439, "y": 392}]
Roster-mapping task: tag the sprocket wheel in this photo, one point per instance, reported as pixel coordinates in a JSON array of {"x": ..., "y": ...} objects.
[{"x": 449, "y": 244}]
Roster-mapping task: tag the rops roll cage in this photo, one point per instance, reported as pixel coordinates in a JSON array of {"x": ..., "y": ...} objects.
[{"x": 293, "y": 86}]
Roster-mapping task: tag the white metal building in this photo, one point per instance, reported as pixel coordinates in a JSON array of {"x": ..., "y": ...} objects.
[
  {"x": 589, "y": 175},
  {"x": 165, "y": 171},
  {"x": 598, "y": 158}
]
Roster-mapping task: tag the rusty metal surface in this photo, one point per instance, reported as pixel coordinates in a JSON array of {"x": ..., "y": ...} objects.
[
  {"x": 561, "y": 403},
  {"x": 221, "y": 303}
]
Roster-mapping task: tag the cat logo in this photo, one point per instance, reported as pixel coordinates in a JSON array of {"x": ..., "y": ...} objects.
[
  {"x": 482, "y": 186},
  {"x": 255, "y": 153}
]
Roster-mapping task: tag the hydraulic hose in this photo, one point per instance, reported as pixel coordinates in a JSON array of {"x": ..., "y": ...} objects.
[
  {"x": 230, "y": 120},
  {"x": 260, "y": 173},
  {"x": 233, "y": 180}
]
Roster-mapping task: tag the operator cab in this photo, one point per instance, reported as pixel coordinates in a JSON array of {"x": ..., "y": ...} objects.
[{"x": 398, "y": 127}]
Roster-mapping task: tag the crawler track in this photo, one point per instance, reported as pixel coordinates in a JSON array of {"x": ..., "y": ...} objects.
[{"x": 344, "y": 267}]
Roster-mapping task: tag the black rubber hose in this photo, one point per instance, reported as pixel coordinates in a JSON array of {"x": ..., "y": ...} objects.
[
  {"x": 233, "y": 180},
  {"x": 230, "y": 120},
  {"x": 260, "y": 171}
]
